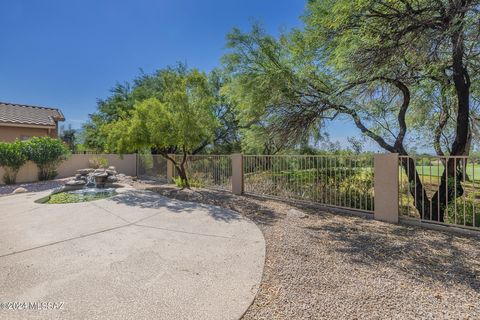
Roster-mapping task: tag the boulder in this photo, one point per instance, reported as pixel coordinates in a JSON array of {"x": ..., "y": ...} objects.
[
  {"x": 19, "y": 190},
  {"x": 99, "y": 171},
  {"x": 111, "y": 172},
  {"x": 75, "y": 183},
  {"x": 100, "y": 174},
  {"x": 112, "y": 168},
  {"x": 294, "y": 213},
  {"x": 112, "y": 179},
  {"x": 78, "y": 176},
  {"x": 85, "y": 171}
]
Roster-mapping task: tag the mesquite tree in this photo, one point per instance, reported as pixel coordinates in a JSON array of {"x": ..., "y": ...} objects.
[{"x": 369, "y": 61}]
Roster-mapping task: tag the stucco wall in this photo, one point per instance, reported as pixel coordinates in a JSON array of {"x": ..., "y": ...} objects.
[
  {"x": 11, "y": 133},
  {"x": 68, "y": 168}
]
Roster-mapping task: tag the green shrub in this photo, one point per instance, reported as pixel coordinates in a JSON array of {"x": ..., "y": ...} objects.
[
  {"x": 193, "y": 183},
  {"x": 47, "y": 153},
  {"x": 98, "y": 162},
  {"x": 12, "y": 157},
  {"x": 467, "y": 211}
]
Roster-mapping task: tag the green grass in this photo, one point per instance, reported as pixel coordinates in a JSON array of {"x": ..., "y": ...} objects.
[{"x": 437, "y": 171}]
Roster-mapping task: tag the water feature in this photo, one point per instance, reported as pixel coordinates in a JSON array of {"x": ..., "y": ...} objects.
[
  {"x": 91, "y": 181},
  {"x": 88, "y": 185},
  {"x": 80, "y": 195}
]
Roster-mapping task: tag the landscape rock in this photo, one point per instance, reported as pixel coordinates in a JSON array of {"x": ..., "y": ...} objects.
[
  {"x": 19, "y": 190},
  {"x": 75, "y": 183},
  {"x": 294, "y": 213},
  {"x": 112, "y": 168},
  {"x": 112, "y": 179},
  {"x": 100, "y": 174},
  {"x": 111, "y": 172},
  {"x": 78, "y": 176},
  {"x": 85, "y": 171}
]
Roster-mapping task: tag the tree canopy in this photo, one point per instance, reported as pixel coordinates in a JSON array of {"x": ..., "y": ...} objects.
[
  {"x": 182, "y": 116},
  {"x": 385, "y": 65},
  {"x": 400, "y": 70}
]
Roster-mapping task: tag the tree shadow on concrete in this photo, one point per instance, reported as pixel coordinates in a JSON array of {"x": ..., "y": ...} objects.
[
  {"x": 417, "y": 252},
  {"x": 151, "y": 200},
  {"x": 247, "y": 206}
]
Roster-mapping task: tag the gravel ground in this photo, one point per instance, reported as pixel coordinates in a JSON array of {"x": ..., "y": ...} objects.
[
  {"x": 32, "y": 187},
  {"x": 334, "y": 266}
]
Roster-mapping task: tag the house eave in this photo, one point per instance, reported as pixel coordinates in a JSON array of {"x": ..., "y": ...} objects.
[{"x": 26, "y": 125}]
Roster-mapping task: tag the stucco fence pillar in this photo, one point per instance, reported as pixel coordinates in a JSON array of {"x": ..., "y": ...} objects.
[
  {"x": 386, "y": 187},
  {"x": 170, "y": 169},
  {"x": 237, "y": 173}
]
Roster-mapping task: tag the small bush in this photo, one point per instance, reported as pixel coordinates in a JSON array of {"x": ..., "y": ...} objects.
[
  {"x": 98, "y": 163},
  {"x": 12, "y": 157},
  {"x": 466, "y": 209},
  {"x": 193, "y": 183},
  {"x": 47, "y": 153}
]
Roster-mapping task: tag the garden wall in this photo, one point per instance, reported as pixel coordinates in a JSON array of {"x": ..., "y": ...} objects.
[{"x": 126, "y": 164}]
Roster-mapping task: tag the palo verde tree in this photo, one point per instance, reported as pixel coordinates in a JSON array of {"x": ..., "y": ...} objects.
[
  {"x": 124, "y": 96},
  {"x": 182, "y": 116},
  {"x": 370, "y": 61}
]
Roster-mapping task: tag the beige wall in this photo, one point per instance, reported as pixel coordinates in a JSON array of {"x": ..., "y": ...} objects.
[
  {"x": 68, "y": 168},
  {"x": 8, "y": 133}
]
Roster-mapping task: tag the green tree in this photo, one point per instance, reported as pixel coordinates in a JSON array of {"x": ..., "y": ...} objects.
[
  {"x": 69, "y": 137},
  {"x": 182, "y": 116},
  {"x": 13, "y": 156},
  {"x": 366, "y": 61},
  {"x": 123, "y": 98}
]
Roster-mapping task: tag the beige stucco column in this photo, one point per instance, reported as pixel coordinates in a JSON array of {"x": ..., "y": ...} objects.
[
  {"x": 170, "y": 169},
  {"x": 386, "y": 187},
  {"x": 237, "y": 173}
]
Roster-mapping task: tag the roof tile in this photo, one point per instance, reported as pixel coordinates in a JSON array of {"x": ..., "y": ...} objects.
[{"x": 12, "y": 113}]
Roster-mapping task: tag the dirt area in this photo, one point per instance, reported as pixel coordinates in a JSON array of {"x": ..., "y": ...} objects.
[{"x": 333, "y": 266}]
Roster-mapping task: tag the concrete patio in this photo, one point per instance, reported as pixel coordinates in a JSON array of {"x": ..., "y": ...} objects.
[{"x": 136, "y": 255}]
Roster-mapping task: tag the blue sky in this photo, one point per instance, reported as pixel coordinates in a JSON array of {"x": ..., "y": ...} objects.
[{"x": 67, "y": 54}]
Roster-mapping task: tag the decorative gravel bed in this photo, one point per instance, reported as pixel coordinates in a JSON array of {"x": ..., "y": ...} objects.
[
  {"x": 334, "y": 266},
  {"x": 33, "y": 187}
]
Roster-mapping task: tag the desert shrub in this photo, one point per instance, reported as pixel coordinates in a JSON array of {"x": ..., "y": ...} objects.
[
  {"x": 98, "y": 162},
  {"x": 179, "y": 182},
  {"x": 12, "y": 157},
  {"x": 467, "y": 211},
  {"x": 47, "y": 153}
]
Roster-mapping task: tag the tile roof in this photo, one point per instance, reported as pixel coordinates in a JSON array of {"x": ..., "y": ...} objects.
[{"x": 21, "y": 114}]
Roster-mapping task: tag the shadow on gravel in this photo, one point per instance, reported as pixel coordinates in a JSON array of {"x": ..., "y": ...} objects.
[
  {"x": 417, "y": 252},
  {"x": 150, "y": 200}
]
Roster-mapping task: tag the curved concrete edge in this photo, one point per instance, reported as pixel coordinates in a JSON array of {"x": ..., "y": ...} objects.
[
  {"x": 130, "y": 190},
  {"x": 259, "y": 281},
  {"x": 173, "y": 210}
]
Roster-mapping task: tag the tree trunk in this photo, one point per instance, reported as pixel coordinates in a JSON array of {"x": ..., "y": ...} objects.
[
  {"x": 450, "y": 185},
  {"x": 449, "y": 189},
  {"x": 417, "y": 189},
  {"x": 179, "y": 167},
  {"x": 183, "y": 175}
]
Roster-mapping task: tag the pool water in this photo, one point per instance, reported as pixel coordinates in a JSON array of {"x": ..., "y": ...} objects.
[{"x": 81, "y": 195}]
